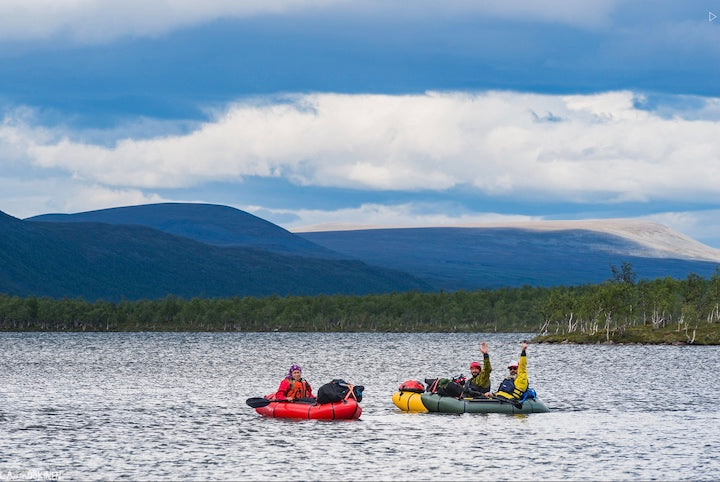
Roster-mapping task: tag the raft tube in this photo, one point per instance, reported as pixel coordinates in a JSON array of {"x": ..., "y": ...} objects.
[
  {"x": 409, "y": 401},
  {"x": 347, "y": 409},
  {"x": 436, "y": 403}
]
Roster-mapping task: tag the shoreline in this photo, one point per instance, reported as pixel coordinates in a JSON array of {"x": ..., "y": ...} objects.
[
  {"x": 706, "y": 335},
  {"x": 701, "y": 334}
]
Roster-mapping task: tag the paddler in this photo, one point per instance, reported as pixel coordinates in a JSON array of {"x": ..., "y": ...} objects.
[
  {"x": 514, "y": 385},
  {"x": 479, "y": 381},
  {"x": 294, "y": 386}
]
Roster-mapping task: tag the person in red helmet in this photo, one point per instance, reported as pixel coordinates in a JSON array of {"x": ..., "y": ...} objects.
[
  {"x": 514, "y": 385},
  {"x": 294, "y": 386},
  {"x": 479, "y": 381}
]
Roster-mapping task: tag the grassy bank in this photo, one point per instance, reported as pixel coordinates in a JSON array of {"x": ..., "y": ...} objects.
[{"x": 704, "y": 334}]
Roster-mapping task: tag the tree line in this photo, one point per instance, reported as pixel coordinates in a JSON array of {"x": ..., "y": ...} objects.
[{"x": 616, "y": 304}]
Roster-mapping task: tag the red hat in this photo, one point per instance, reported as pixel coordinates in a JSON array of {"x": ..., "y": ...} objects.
[{"x": 475, "y": 365}]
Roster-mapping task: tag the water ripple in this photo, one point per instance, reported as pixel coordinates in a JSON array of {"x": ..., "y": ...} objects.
[{"x": 150, "y": 406}]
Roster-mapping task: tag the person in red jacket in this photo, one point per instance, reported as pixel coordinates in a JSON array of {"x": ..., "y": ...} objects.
[{"x": 294, "y": 386}]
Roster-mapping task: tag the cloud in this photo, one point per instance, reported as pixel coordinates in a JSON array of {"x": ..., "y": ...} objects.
[
  {"x": 605, "y": 148},
  {"x": 586, "y": 14},
  {"x": 701, "y": 225},
  {"x": 377, "y": 215},
  {"x": 23, "y": 198},
  {"x": 91, "y": 21}
]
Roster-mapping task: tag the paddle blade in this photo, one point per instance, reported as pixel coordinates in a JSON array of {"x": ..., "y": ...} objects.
[{"x": 257, "y": 402}]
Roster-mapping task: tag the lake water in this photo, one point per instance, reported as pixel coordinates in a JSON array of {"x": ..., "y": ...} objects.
[{"x": 158, "y": 406}]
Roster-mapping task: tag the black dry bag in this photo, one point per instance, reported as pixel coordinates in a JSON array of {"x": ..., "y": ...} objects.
[{"x": 331, "y": 392}]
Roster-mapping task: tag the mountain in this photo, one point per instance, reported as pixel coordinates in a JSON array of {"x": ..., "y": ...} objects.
[
  {"x": 114, "y": 262},
  {"x": 197, "y": 249},
  {"x": 208, "y": 223},
  {"x": 536, "y": 254}
]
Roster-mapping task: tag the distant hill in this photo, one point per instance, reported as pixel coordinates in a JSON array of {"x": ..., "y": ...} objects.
[
  {"x": 114, "y": 262},
  {"x": 199, "y": 249},
  {"x": 557, "y": 254},
  {"x": 208, "y": 223}
]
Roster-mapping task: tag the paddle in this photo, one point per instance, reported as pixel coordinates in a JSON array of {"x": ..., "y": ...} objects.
[
  {"x": 258, "y": 402},
  {"x": 515, "y": 403}
]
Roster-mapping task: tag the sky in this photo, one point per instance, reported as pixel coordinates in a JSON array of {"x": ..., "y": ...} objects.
[{"x": 366, "y": 112}]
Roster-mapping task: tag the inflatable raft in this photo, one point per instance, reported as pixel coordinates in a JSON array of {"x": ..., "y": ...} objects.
[
  {"x": 407, "y": 398},
  {"x": 412, "y": 397},
  {"x": 347, "y": 409},
  {"x": 409, "y": 401},
  {"x": 437, "y": 403}
]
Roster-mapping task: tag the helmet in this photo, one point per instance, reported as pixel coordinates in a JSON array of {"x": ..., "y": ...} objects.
[
  {"x": 475, "y": 365},
  {"x": 513, "y": 364}
]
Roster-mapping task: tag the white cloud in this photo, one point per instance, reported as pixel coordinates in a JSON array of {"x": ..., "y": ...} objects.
[
  {"x": 585, "y": 148},
  {"x": 586, "y": 13},
  {"x": 379, "y": 216},
  {"x": 103, "y": 20},
  {"x": 701, "y": 225},
  {"x": 597, "y": 148},
  {"x": 23, "y": 198}
]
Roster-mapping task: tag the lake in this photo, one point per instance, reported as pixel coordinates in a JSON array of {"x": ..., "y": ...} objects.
[{"x": 168, "y": 406}]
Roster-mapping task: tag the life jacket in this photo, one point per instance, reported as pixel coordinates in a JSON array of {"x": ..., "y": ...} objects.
[
  {"x": 508, "y": 386},
  {"x": 472, "y": 385},
  {"x": 298, "y": 389},
  {"x": 474, "y": 390}
]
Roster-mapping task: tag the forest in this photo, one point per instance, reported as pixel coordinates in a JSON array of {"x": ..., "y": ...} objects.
[{"x": 607, "y": 311}]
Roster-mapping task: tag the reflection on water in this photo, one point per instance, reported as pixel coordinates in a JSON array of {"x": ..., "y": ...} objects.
[{"x": 171, "y": 406}]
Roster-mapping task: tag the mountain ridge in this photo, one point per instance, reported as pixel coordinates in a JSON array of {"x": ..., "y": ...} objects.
[
  {"x": 464, "y": 257},
  {"x": 208, "y": 223},
  {"x": 472, "y": 258},
  {"x": 660, "y": 240},
  {"x": 96, "y": 260}
]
